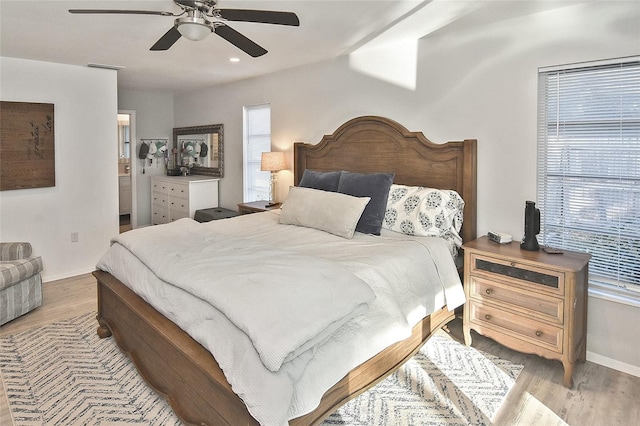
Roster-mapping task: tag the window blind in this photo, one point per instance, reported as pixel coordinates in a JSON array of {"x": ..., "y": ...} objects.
[
  {"x": 589, "y": 166},
  {"x": 257, "y": 139}
]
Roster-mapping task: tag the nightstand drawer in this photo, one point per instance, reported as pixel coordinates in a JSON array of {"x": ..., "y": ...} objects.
[
  {"x": 538, "y": 333},
  {"x": 527, "y": 275},
  {"x": 536, "y": 305}
]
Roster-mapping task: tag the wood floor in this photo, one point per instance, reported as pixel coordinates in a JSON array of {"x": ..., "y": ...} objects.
[{"x": 601, "y": 396}]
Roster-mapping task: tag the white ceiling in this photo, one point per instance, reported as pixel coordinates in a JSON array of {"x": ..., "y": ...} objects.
[{"x": 44, "y": 30}]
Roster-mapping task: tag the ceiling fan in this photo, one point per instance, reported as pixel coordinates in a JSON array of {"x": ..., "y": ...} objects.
[{"x": 199, "y": 18}]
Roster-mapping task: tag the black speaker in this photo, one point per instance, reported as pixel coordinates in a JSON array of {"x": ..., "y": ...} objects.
[{"x": 531, "y": 227}]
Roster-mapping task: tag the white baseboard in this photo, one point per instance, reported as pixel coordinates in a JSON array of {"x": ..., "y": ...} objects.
[
  {"x": 50, "y": 278},
  {"x": 634, "y": 370}
]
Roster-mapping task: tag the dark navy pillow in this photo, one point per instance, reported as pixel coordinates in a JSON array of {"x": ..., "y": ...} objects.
[
  {"x": 325, "y": 181},
  {"x": 373, "y": 185}
]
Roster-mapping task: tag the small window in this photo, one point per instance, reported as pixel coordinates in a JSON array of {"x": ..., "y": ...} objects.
[{"x": 257, "y": 139}]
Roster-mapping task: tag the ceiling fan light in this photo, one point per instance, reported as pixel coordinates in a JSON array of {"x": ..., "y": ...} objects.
[{"x": 194, "y": 31}]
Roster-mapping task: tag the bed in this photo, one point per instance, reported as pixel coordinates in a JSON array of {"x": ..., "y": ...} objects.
[{"x": 179, "y": 367}]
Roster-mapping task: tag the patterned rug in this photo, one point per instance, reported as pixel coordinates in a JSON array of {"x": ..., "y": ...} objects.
[{"x": 63, "y": 374}]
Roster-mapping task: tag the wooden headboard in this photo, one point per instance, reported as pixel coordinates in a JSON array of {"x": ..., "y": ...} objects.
[{"x": 371, "y": 144}]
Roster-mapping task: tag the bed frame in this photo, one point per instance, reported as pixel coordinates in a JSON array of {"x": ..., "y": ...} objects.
[{"x": 183, "y": 371}]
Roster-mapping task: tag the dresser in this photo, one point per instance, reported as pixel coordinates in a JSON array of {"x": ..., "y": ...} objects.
[
  {"x": 175, "y": 197},
  {"x": 529, "y": 301}
]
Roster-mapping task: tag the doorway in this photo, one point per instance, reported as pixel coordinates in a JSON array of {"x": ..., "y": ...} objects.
[{"x": 127, "y": 205}]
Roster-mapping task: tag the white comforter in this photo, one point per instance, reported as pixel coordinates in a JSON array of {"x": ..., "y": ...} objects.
[
  {"x": 410, "y": 278},
  {"x": 284, "y": 309}
]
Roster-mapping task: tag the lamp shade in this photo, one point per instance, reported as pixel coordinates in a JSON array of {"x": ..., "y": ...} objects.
[{"x": 272, "y": 162}]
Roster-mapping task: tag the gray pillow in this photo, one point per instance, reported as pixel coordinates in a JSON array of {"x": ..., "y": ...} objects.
[
  {"x": 327, "y": 211},
  {"x": 326, "y": 181},
  {"x": 373, "y": 185}
]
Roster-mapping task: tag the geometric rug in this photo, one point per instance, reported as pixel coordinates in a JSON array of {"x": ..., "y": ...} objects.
[
  {"x": 445, "y": 383},
  {"x": 64, "y": 374}
]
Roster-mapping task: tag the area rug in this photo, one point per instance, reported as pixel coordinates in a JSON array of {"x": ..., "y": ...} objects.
[
  {"x": 63, "y": 374},
  {"x": 445, "y": 383}
]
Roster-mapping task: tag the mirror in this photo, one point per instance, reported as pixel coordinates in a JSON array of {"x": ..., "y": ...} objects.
[
  {"x": 124, "y": 136},
  {"x": 200, "y": 148}
]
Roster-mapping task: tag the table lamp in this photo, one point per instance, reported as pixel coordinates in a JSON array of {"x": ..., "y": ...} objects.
[{"x": 272, "y": 162}]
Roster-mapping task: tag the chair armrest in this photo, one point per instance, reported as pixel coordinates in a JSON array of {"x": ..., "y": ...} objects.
[{"x": 14, "y": 251}]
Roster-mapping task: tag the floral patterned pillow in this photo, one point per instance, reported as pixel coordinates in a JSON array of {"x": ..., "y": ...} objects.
[{"x": 416, "y": 210}]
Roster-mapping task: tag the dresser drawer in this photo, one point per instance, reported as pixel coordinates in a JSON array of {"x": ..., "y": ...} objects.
[
  {"x": 523, "y": 274},
  {"x": 175, "y": 215},
  {"x": 159, "y": 199},
  {"x": 159, "y": 185},
  {"x": 159, "y": 215},
  {"x": 521, "y": 327},
  {"x": 177, "y": 204},
  {"x": 536, "y": 305},
  {"x": 178, "y": 189}
]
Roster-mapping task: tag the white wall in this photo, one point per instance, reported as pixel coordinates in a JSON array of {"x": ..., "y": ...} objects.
[
  {"x": 472, "y": 82},
  {"x": 154, "y": 120},
  {"x": 85, "y": 196}
]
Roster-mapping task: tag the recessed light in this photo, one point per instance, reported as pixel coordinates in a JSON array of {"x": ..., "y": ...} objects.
[{"x": 234, "y": 59}]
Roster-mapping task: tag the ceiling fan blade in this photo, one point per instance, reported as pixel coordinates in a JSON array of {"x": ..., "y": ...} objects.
[
  {"x": 167, "y": 40},
  {"x": 121, "y": 12},
  {"x": 240, "y": 41},
  {"x": 261, "y": 16},
  {"x": 188, "y": 3}
]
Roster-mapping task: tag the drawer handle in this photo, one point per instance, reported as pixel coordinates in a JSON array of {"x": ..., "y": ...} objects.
[
  {"x": 487, "y": 317},
  {"x": 488, "y": 291},
  {"x": 538, "y": 333}
]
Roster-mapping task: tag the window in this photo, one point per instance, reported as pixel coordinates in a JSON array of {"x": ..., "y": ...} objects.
[
  {"x": 257, "y": 139},
  {"x": 589, "y": 167}
]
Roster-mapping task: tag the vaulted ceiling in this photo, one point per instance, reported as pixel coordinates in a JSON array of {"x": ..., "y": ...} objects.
[{"x": 45, "y": 30}]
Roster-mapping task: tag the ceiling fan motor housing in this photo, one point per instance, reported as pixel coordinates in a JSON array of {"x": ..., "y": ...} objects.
[{"x": 201, "y": 5}]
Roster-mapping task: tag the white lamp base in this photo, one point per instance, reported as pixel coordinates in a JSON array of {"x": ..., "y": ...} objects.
[{"x": 272, "y": 190}]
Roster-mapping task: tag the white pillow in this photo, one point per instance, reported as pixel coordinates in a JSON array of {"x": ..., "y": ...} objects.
[
  {"x": 416, "y": 210},
  {"x": 327, "y": 211}
]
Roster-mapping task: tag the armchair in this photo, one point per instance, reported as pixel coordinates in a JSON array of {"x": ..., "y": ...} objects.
[{"x": 20, "y": 280}]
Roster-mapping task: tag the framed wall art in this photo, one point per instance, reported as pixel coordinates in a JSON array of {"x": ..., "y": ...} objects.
[{"x": 27, "y": 149}]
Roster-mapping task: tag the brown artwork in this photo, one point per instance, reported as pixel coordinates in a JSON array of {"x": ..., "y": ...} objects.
[{"x": 27, "y": 148}]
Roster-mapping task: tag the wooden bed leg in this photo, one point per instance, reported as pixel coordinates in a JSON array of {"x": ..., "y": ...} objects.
[{"x": 103, "y": 330}]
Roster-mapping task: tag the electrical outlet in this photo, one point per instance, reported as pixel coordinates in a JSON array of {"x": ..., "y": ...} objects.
[{"x": 74, "y": 237}]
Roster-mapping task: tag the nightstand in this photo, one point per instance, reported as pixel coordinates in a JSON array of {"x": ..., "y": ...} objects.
[
  {"x": 529, "y": 301},
  {"x": 256, "y": 207}
]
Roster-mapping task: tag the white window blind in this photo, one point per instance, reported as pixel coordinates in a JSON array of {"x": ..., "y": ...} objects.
[
  {"x": 589, "y": 167},
  {"x": 257, "y": 139}
]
